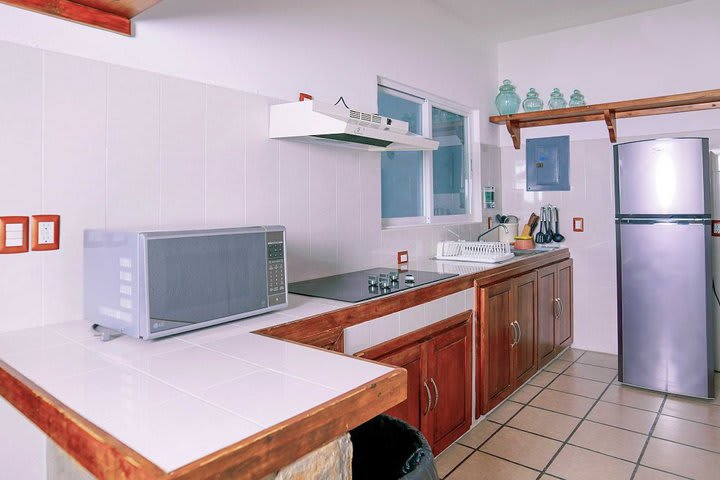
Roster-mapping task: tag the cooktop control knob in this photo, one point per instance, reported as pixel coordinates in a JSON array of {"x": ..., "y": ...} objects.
[
  {"x": 394, "y": 277},
  {"x": 372, "y": 280},
  {"x": 409, "y": 278}
]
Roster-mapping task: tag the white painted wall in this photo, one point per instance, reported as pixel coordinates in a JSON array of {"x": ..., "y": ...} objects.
[
  {"x": 666, "y": 51},
  {"x": 661, "y": 52}
]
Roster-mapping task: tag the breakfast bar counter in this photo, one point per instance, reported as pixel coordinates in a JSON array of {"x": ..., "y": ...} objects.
[{"x": 228, "y": 401}]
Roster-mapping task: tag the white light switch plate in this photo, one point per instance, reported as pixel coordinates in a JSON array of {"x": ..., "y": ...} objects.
[{"x": 14, "y": 235}]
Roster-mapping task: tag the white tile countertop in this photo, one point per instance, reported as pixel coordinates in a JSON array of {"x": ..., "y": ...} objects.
[
  {"x": 177, "y": 399},
  {"x": 149, "y": 394}
]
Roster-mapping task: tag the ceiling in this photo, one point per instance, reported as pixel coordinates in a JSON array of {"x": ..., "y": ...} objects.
[{"x": 505, "y": 21}]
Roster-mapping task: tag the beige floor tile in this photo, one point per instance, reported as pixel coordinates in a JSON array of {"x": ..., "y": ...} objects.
[
  {"x": 634, "y": 397},
  {"x": 640, "y": 421},
  {"x": 609, "y": 440},
  {"x": 681, "y": 460},
  {"x": 475, "y": 437},
  {"x": 543, "y": 422},
  {"x": 525, "y": 394},
  {"x": 591, "y": 372},
  {"x": 645, "y": 473},
  {"x": 578, "y": 386},
  {"x": 451, "y": 458},
  {"x": 692, "y": 409},
  {"x": 600, "y": 360},
  {"x": 542, "y": 379},
  {"x": 558, "y": 366},
  {"x": 504, "y": 411},
  {"x": 687, "y": 432},
  {"x": 562, "y": 402},
  {"x": 524, "y": 448},
  {"x": 481, "y": 466},
  {"x": 571, "y": 354},
  {"x": 575, "y": 463}
]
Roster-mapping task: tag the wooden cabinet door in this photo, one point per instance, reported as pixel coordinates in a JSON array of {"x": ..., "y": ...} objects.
[
  {"x": 524, "y": 354},
  {"x": 564, "y": 322},
  {"x": 411, "y": 359},
  {"x": 547, "y": 312},
  {"x": 494, "y": 380},
  {"x": 450, "y": 379}
]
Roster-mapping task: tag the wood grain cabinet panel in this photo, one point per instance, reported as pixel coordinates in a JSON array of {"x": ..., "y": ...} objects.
[
  {"x": 494, "y": 380},
  {"x": 524, "y": 351},
  {"x": 438, "y": 360},
  {"x": 555, "y": 307}
]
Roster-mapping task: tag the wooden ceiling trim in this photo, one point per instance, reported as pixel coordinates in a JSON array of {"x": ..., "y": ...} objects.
[{"x": 112, "y": 15}]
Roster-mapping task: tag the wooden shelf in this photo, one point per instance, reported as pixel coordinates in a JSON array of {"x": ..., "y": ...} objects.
[
  {"x": 112, "y": 15},
  {"x": 609, "y": 112}
]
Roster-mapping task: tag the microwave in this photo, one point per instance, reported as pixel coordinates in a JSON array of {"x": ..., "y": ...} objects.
[{"x": 154, "y": 284}]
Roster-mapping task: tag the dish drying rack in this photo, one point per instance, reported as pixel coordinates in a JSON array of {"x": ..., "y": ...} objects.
[{"x": 482, "y": 252}]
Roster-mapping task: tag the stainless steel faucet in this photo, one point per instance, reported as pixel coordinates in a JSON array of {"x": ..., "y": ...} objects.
[{"x": 493, "y": 228}]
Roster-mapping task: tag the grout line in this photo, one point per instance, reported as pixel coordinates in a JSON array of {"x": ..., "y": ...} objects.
[
  {"x": 557, "y": 453},
  {"x": 205, "y": 157},
  {"x": 647, "y": 441},
  {"x": 43, "y": 120}
]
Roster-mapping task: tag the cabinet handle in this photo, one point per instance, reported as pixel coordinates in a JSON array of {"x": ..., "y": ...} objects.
[
  {"x": 429, "y": 398},
  {"x": 556, "y": 308},
  {"x": 562, "y": 307},
  {"x": 519, "y": 331},
  {"x": 514, "y": 335},
  {"x": 437, "y": 394}
]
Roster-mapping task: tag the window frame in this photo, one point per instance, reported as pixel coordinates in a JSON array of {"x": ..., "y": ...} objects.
[{"x": 428, "y": 101}]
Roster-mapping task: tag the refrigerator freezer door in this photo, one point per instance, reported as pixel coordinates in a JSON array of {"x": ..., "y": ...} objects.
[
  {"x": 665, "y": 319},
  {"x": 663, "y": 177}
]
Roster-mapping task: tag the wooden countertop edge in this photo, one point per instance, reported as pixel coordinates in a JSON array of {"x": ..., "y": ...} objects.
[
  {"x": 96, "y": 450},
  {"x": 252, "y": 458},
  {"x": 305, "y": 328}
]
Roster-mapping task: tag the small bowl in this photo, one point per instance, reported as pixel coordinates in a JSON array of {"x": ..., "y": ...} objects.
[{"x": 524, "y": 243}]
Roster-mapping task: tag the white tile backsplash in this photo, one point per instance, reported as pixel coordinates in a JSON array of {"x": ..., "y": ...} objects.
[
  {"x": 108, "y": 146},
  {"x": 182, "y": 147}
]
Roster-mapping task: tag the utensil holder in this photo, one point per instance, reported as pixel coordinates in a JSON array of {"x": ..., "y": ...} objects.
[{"x": 512, "y": 231}]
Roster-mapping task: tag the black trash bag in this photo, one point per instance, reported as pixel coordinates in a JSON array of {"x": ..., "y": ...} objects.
[{"x": 386, "y": 448}]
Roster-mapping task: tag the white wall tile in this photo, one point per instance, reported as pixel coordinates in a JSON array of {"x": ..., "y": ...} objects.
[
  {"x": 21, "y": 192},
  {"x": 225, "y": 196},
  {"x": 182, "y": 148},
  {"x": 133, "y": 149},
  {"x": 74, "y": 173},
  {"x": 455, "y": 303},
  {"x": 295, "y": 206},
  {"x": 351, "y": 249},
  {"x": 261, "y": 163},
  {"x": 323, "y": 210}
]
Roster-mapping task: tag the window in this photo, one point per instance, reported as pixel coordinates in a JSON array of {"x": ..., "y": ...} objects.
[{"x": 425, "y": 187}]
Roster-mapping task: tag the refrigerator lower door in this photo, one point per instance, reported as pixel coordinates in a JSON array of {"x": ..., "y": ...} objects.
[{"x": 666, "y": 331}]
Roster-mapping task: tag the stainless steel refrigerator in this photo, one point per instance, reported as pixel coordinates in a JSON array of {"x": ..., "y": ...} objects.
[{"x": 664, "y": 266}]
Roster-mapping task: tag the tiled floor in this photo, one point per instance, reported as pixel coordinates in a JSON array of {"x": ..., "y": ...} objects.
[{"x": 574, "y": 421}]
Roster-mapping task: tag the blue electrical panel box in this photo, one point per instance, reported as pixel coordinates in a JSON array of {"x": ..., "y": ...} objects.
[{"x": 548, "y": 163}]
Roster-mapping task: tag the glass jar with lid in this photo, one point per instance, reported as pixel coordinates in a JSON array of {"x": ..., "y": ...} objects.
[
  {"x": 533, "y": 102},
  {"x": 557, "y": 100},
  {"x": 577, "y": 99},
  {"x": 507, "y": 101}
]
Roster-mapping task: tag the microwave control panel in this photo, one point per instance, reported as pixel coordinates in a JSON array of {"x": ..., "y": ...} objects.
[{"x": 276, "y": 268}]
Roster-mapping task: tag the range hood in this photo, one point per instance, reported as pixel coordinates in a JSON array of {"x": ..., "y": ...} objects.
[{"x": 317, "y": 122}]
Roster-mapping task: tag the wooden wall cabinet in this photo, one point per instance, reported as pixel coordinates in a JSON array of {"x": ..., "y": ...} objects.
[
  {"x": 506, "y": 339},
  {"x": 555, "y": 317},
  {"x": 438, "y": 361}
]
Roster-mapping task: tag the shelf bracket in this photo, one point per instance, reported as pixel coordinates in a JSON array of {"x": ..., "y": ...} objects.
[
  {"x": 513, "y": 127},
  {"x": 611, "y": 124}
]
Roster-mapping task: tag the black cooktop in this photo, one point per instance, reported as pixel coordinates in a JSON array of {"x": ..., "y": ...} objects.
[{"x": 366, "y": 284}]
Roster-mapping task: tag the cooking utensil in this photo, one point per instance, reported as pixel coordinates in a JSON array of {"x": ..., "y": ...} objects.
[
  {"x": 540, "y": 236},
  {"x": 557, "y": 237},
  {"x": 548, "y": 225}
]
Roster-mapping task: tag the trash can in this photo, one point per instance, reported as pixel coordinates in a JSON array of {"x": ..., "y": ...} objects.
[{"x": 386, "y": 448}]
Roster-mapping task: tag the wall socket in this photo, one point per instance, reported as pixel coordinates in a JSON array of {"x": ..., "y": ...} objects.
[{"x": 45, "y": 232}]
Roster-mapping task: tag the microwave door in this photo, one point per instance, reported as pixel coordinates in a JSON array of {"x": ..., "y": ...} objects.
[{"x": 205, "y": 278}]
